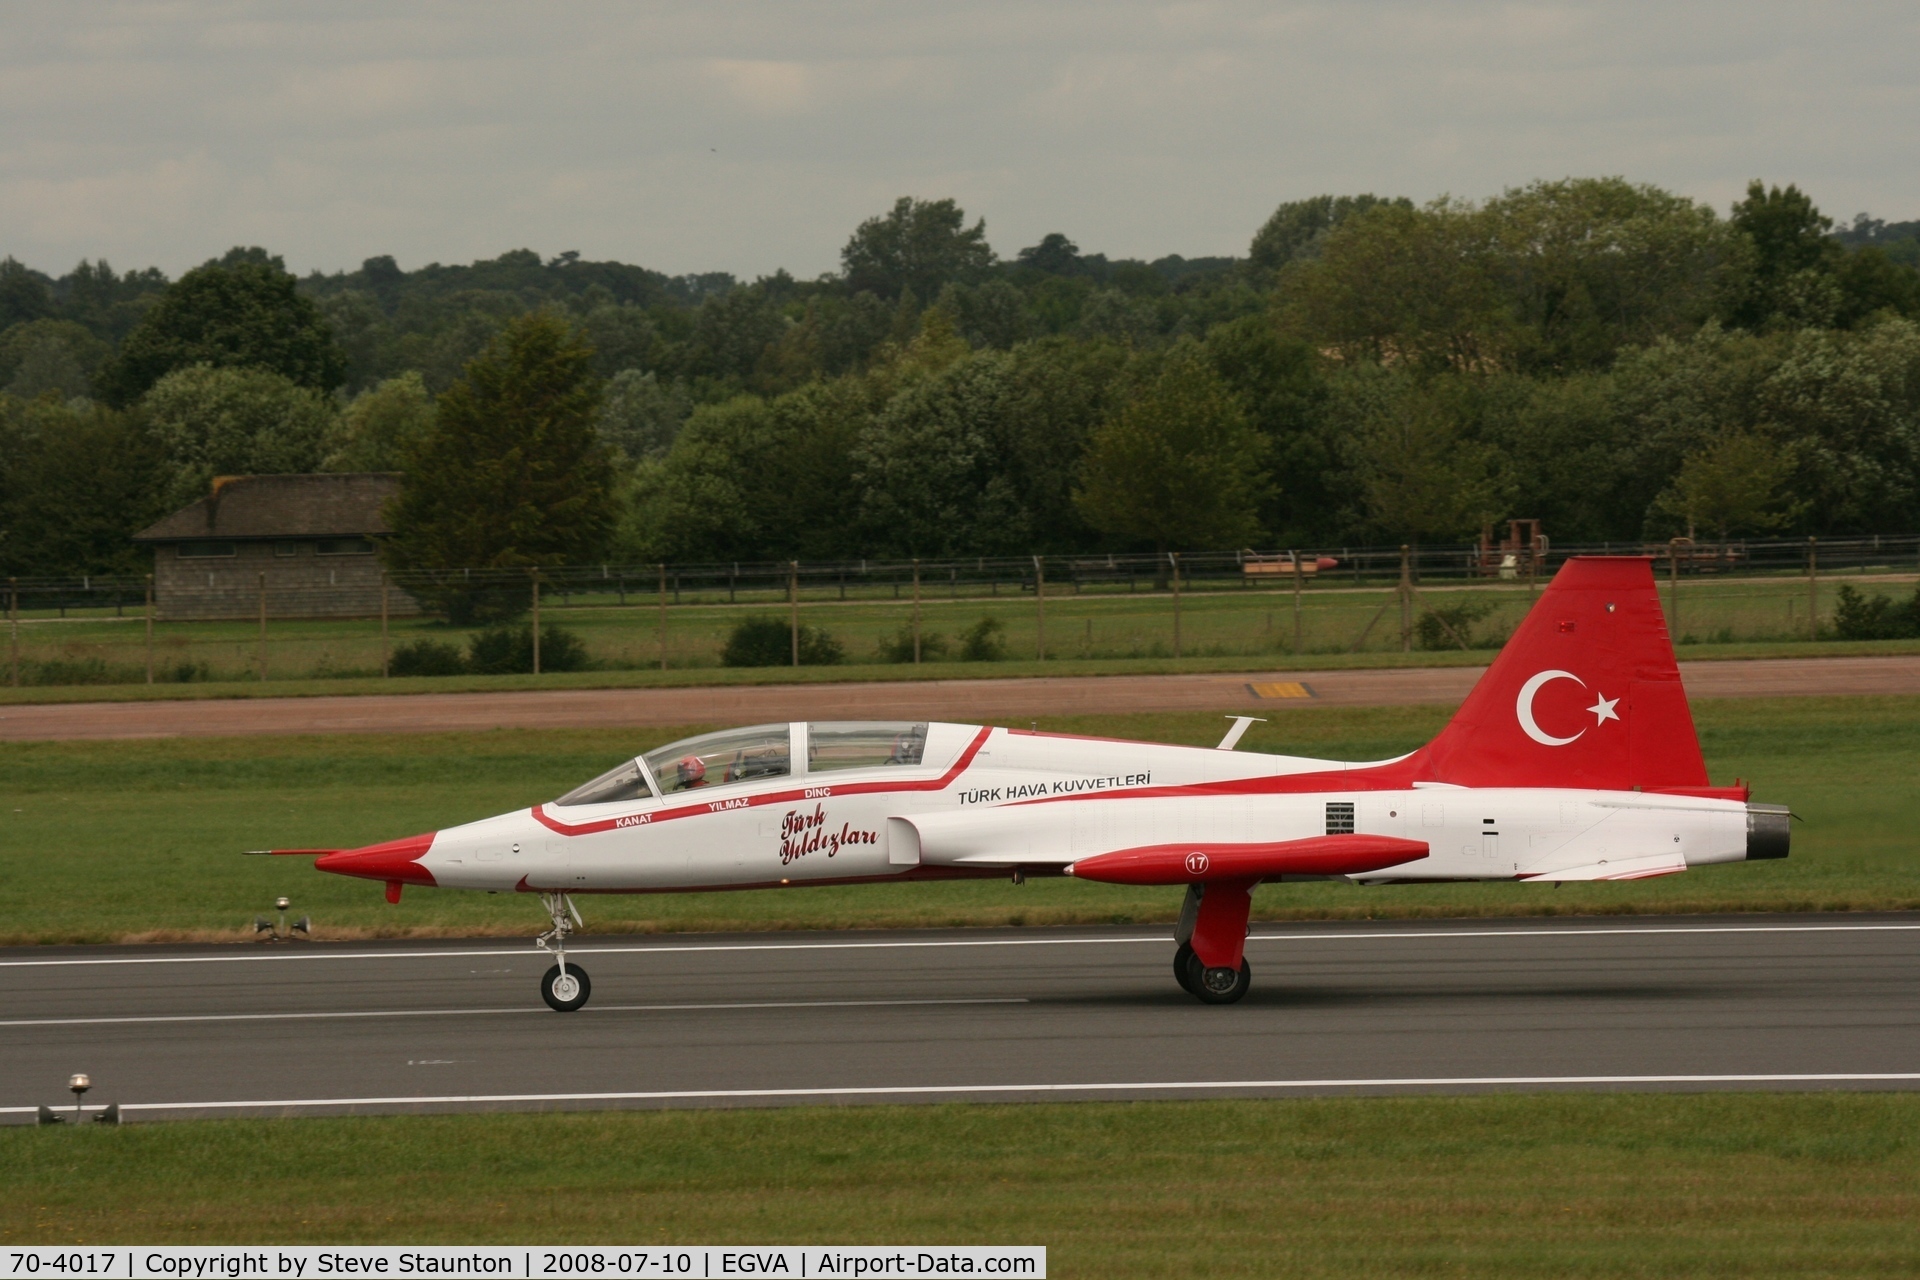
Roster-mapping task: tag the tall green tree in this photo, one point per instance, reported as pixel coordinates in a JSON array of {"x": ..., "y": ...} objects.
[
  {"x": 77, "y": 481},
  {"x": 382, "y": 425},
  {"x": 1587, "y": 266},
  {"x": 239, "y": 312},
  {"x": 1406, "y": 286},
  {"x": 1791, "y": 260},
  {"x": 640, "y": 415},
  {"x": 1420, "y": 471},
  {"x": 24, "y": 295},
  {"x": 213, "y": 422},
  {"x": 1735, "y": 485},
  {"x": 49, "y": 355},
  {"x": 918, "y": 245},
  {"x": 1296, "y": 227},
  {"x": 1179, "y": 467},
  {"x": 513, "y": 474},
  {"x": 1279, "y": 379},
  {"x": 930, "y": 474}
]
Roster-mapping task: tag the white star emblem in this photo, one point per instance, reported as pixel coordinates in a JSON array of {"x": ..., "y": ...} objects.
[{"x": 1603, "y": 711}]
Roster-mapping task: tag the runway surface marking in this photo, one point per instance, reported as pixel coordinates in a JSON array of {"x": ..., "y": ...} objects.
[
  {"x": 923, "y": 1090},
  {"x": 1398, "y": 935},
  {"x": 449, "y": 1013}
]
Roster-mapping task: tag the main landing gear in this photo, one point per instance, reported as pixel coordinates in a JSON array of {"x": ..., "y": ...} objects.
[
  {"x": 564, "y": 987},
  {"x": 1210, "y": 964}
]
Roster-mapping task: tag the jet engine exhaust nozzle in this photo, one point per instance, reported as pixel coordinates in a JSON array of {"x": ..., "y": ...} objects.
[{"x": 1768, "y": 833}]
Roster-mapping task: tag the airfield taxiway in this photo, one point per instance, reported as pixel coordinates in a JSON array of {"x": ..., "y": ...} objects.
[
  {"x": 1666, "y": 1003},
  {"x": 967, "y": 701}
]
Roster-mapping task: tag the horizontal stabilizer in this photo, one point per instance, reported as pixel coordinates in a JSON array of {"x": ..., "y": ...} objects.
[
  {"x": 1199, "y": 863},
  {"x": 1644, "y": 867}
]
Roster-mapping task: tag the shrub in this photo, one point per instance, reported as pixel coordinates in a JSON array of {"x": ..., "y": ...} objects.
[
  {"x": 1447, "y": 626},
  {"x": 768, "y": 642},
  {"x": 69, "y": 671},
  {"x": 501, "y": 651},
  {"x": 428, "y": 658},
  {"x": 1858, "y": 617},
  {"x": 898, "y": 647},
  {"x": 984, "y": 641}
]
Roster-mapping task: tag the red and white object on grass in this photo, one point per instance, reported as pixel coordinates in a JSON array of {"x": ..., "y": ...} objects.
[{"x": 1573, "y": 758}]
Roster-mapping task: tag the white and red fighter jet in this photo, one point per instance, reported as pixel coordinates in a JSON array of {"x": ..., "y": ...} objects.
[{"x": 1574, "y": 758}]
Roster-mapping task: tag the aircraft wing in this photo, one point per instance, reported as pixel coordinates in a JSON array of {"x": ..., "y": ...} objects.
[{"x": 1643, "y": 867}]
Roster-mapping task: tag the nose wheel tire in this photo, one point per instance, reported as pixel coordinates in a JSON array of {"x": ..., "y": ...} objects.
[
  {"x": 1219, "y": 985},
  {"x": 565, "y": 992}
]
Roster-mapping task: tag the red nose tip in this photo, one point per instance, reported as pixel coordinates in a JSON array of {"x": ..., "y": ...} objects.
[{"x": 396, "y": 861}]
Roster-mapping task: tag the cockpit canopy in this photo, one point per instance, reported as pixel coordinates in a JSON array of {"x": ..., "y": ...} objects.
[{"x": 754, "y": 754}]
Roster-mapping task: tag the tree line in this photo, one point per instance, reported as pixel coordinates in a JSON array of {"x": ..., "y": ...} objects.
[{"x": 1620, "y": 361}]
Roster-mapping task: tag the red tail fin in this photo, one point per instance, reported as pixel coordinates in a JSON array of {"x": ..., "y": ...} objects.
[{"x": 1585, "y": 694}]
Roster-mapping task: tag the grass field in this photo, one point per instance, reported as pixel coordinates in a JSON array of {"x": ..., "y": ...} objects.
[
  {"x": 1091, "y": 632},
  {"x": 104, "y": 841},
  {"x": 1739, "y": 1185}
]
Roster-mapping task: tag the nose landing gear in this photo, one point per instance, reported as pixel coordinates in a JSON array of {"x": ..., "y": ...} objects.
[{"x": 564, "y": 987}]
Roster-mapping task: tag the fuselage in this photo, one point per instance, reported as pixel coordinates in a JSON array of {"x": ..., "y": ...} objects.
[
  {"x": 965, "y": 800},
  {"x": 1573, "y": 758}
]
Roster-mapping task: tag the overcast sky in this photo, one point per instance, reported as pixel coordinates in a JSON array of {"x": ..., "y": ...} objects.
[{"x": 754, "y": 135}]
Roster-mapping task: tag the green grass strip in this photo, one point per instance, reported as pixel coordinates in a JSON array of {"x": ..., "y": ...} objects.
[
  {"x": 1743, "y": 1185},
  {"x": 125, "y": 841}
]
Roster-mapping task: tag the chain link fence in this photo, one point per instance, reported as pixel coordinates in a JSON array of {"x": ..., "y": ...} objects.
[{"x": 1256, "y": 604}]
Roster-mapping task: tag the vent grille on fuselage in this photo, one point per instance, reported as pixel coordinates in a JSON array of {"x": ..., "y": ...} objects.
[{"x": 1339, "y": 817}]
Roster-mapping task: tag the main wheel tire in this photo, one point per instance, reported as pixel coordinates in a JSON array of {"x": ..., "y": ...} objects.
[
  {"x": 565, "y": 992},
  {"x": 1182, "y": 962},
  {"x": 1218, "y": 985}
]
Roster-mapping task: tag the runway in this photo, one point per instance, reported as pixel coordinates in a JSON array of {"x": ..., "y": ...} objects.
[
  {"x": 967, "y": 701},
  {"x": 1358, "y": 1007}
]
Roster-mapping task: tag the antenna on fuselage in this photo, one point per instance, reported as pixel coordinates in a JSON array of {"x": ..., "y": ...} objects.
[{"x": 1238, "y": 731}]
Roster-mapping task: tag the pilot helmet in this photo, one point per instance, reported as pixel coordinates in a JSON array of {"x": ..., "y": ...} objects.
[{"x": 693, "y": 771}]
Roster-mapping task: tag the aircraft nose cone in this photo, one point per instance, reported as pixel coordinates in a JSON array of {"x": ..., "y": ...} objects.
[{"x": 394, "y": 861}]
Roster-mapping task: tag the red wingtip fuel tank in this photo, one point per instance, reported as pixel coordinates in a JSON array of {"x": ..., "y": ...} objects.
[
  {"x": 1340, "y": 855},
  {"x": 396, "y": 862}
]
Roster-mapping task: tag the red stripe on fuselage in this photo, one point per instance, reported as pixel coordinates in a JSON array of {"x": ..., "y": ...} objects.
[
  {"x": 1395, "y": 775},
  {"x": 647, "y": 819}
]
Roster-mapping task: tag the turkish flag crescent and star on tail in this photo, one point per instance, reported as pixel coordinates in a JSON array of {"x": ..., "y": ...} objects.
[{"x": 1585, "y": 694}]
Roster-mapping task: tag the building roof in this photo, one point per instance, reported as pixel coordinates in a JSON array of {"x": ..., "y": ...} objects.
[{"x": 344, "y": 505}]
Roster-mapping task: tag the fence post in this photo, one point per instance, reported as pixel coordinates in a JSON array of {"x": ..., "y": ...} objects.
[
  {"x": 1406, "y": 599},
  {"x": 1813, "y": 588},
  {"x": 149, "y": 628},
  {"x": 1040, "y": 605},
  {"x": 663, "y": 615},
  {"x": 1173, "y": 558},
  {"x": 1299, "y": 578},
  {"x": 386, "y": 650},
  {"x": 793, "y": 607},
  {"x": 263, "y": 625},
  {"x": 13, "y": 621},
  {"x": 534, "y": 574},
  {"x": 916, "y": 611}
]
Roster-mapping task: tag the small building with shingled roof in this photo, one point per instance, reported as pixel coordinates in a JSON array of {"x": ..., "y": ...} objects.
[{"x": 308, "y": 541}]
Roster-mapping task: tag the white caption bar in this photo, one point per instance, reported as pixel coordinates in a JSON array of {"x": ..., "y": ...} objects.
[{"x": 519, "y": 1262}]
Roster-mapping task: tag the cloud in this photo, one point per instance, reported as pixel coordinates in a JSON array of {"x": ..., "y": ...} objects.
[
  {"x": 754, "y": 135},
  {"x": 775, "y": 88}
]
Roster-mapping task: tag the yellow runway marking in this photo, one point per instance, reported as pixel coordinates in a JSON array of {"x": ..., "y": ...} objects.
[{"x": 1280, "y": 689}]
